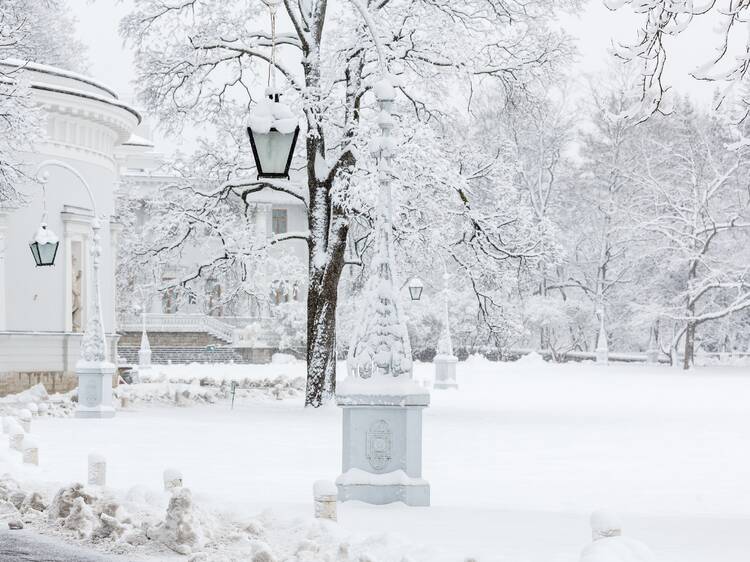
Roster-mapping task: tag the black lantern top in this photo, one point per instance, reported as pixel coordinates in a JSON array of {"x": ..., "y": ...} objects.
[
  {"x": 415, "y": 288},
  {"x": 44, "y": 247},
  {"x": 273, "y": 133}
]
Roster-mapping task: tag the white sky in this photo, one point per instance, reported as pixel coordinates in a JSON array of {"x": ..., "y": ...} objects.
[{"x": 595, "y": 27}]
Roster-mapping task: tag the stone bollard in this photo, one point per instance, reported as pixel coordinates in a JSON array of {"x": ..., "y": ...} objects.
[
  {"x": 15, "y": 438},
  {"x": 24, "y": 417},
  {"x": 172, "y": 479},
  {"x": 43, "y": 408},
  {"x": 605, "y": 524},
  {"x": 326, "y": 494},
  {"x": 97, "y": 470},
  {"x": 124, "y": 402},
  {"x": 30, "y": 451}
]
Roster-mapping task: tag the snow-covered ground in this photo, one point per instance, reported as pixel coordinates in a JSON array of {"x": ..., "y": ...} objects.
[{"x": 517, "y": 459}]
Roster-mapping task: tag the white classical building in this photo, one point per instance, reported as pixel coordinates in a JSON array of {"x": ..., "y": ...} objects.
[
  {"x": 43, "y": 310},
  {"x": 245, "y": 322}
]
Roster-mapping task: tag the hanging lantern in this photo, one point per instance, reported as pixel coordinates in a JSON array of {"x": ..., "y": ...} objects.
[
  {"x": 273, "y": 127},
  {"x": 415, "y": 288},
  {"x": 273, "y": 135},
  {"x": 44, "y": 246}
]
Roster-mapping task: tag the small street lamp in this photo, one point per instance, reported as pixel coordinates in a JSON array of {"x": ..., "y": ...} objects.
[
  {"x": 415, "y": 288},
  {"x": 45, "y": 242},
  {"x": 94, "y": 371},
  {"x": 44, "y": 246}
]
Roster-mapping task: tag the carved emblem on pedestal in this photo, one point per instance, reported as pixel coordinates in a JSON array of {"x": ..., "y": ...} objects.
[
  {"x": 88, "y": 393},
  {"x": 379, "y": 444}
]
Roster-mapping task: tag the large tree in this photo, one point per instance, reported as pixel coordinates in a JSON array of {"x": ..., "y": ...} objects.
[
  {"x": 203, "y": 61},
  {"x": 39, "y": 31}
]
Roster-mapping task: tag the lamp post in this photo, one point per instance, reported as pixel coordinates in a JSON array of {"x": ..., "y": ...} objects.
[
  {"x": 93, "y": 370},
  {"x": 382, "y": 421}
]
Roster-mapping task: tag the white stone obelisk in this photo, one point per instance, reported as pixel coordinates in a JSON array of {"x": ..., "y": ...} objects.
[
  {"x": 144, "y": 353},
  {"x": 445, "y": 361},
  {"x": 382, "y": 404}
]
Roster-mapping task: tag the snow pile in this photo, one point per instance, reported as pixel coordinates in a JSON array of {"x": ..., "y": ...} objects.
[
  {"x": 36, "y": 402},
  {"x": 531, "y": 359},
  {"x": 179, "y": 531},
  {"x": 207, "y": 391},
  {"x": 617, "y": 549},
  {"x": 284, "y": 371},
  {"x": 609, "y": 545}
]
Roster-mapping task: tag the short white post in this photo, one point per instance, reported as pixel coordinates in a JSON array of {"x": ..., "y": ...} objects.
[
  {"x": 172, "y": 479},
  {"x": 15, "y": 439},
  {"x": 30, "y": 451},
  {"x": 605, "y": 524},
  {"x": 24, "y": 418},
  {"x": 8, "y": 423},
  {"x": 326, "y": 495},
  {"x": 97, "y": 470}
]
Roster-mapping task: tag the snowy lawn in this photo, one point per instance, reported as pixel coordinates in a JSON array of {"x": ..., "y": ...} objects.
[{"x": 517, "y": 460}]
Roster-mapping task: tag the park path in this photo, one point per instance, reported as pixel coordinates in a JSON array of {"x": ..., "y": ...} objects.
[{"x": 26, "y": 546}]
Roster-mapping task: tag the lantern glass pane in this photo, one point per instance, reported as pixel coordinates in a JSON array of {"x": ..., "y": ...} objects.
[
  {"x": 273, "y": 150},
  {"x": 47, "y": 253},
  {"x": 416, "y": 293},
  {"x": 35, "y": 252}
]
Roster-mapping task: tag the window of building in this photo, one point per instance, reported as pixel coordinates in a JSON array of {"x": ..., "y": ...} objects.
[{"x": 279, "y": 221}]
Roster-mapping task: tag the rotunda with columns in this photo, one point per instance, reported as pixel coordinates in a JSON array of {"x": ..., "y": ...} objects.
[{"x": 44, "y": 310}]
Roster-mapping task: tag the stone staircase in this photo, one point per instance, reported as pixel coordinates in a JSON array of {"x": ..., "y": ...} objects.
[
  {"x": 182, "y": 355},
  {"x": 171, "y": 339}
]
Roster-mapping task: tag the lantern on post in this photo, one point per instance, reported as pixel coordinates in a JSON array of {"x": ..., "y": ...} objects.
[
  {"x": 415, "y": 288},
  {"x": 45, "y": 243},
  {"x": 273, "y": 129}
]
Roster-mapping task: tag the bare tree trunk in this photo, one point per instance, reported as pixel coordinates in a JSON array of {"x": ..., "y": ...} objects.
[
  {"x": 689, "y": 345},
  {"x": 326, "y": 262},
  {"x": 691, "y": 324}
]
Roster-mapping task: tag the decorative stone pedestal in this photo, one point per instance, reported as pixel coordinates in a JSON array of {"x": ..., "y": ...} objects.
[
  {"x": 445, "y": 371},
  {"x": 382, "y": 448},
  {"x": 144, "y": 358},
  {"x": 95, "y": 390}
]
